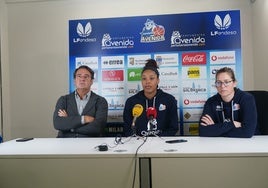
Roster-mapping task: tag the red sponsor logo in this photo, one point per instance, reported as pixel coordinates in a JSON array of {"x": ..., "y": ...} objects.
[
  {"x": 113, "y": 75},
  {"x": 186, "y": 101},
  {"x": 222, "y": 58},
  {"x": 214, "y": 58},
  {"x": 194, "y": 58},
  {"x": 194, "y": 102}
]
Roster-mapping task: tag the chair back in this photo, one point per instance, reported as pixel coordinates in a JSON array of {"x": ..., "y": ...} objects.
[{"x": 261, "y": 99}]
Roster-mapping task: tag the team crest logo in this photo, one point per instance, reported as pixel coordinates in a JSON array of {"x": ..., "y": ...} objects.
[{"x": 152, "y": 32}]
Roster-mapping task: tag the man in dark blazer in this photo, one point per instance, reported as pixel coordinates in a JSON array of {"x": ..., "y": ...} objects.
[{"x": 81, "y": 113}]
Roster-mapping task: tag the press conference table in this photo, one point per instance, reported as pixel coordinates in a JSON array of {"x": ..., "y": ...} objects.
[{"x": 75, "y": 162}]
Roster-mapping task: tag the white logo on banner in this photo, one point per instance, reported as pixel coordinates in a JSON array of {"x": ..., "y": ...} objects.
[
  {"x": 122, "y": 42},
  {"x": 152, "y": 32},
  {"x": 178, "y": 40},
  {"x": 222, "y": 25},
  {"x": 84, "y": 31}
]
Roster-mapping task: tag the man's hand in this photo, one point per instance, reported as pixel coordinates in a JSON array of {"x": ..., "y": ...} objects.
[
  {"x": 88, "y": 119},
  {"x": 62, "y": 113}
]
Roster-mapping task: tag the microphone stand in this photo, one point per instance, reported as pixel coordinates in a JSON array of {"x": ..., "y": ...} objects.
[{"x": 134, "y": 130}]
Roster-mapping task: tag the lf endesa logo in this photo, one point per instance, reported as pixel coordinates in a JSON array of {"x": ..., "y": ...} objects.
[
  {"x": 83, "y": 31},
  {"x": 222, "y": 24}
]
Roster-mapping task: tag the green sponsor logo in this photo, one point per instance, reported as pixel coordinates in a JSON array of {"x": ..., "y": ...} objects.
[{"x": 134, "y": 74}]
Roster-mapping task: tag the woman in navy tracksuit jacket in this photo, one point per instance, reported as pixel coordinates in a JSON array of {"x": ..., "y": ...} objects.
[
  {"x": 229, "y": 113},
  {"x": 167, "y": 116},
  {"x": 164, "y": 104}
]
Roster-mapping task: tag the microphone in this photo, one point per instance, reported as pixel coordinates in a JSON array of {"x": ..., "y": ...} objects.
[
  {"x": 136, "y": 112},
  {"x": 151, "y": 113}
]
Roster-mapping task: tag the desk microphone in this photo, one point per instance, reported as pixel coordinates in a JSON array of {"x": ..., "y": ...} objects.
[
  {"x": 151, "y": 113},
  {"x": 136, "y": 112}
]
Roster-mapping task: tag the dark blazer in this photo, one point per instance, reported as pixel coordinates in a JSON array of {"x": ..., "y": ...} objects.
[{"x": 71, "y": 126}]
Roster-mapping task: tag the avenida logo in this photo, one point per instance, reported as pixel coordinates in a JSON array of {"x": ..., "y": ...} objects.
[
  {"x": 120, "y": 42},
  {"x": 83, "y": 32},
  {"x": 178, "y": 40},
  {"x": 222, "y": 24}
]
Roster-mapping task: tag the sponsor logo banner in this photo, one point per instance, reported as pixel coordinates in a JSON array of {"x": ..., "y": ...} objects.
[
  {"x": 194, "y": 87},
  {"x": 192, "y": 114},
  {"x": 113, "y": 75},
  {"x": 115, "y": 102},
  {"x": 194, "y": 100},
  {"x": 134, "y": 74},
  {"x": 167, "y": 59},
  {"x": 112, "y": 61},
  {"x": 223, "y": 57},
  {"x": 91, "y": 62},
  {"x": 195, "y": 58},
  {"x": 194, "y": 72},
  {"x": 113, "y": 88},
  {"x": 187, "y": 55}
]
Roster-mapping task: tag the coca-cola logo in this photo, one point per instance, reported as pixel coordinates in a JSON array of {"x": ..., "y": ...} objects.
[{"x": 194, "y": 58}]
